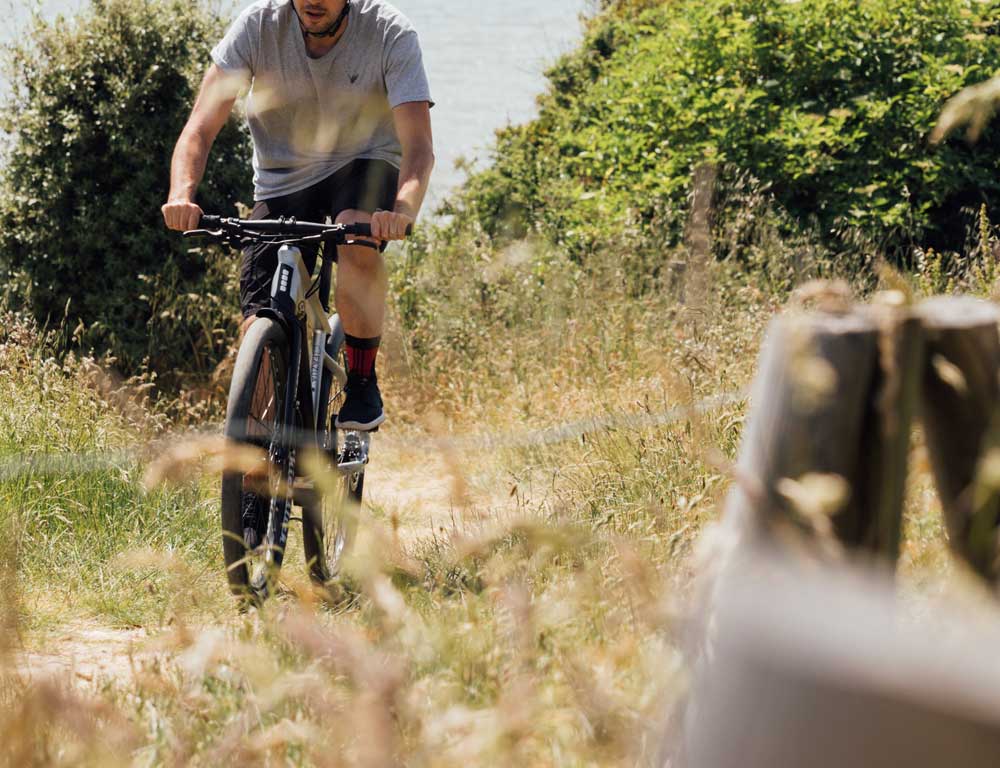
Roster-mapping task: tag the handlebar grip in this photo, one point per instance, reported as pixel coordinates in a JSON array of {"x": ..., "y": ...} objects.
[
  {"x": 365, "y": 230},
  {"x": 208, "y": 222}
]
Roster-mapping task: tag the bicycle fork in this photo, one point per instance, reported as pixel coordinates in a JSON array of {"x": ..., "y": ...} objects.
[
  {"x": 284, "y": 456},
  {"x": 286, "y": 292}
]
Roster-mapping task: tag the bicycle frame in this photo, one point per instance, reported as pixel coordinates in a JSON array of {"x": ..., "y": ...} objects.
[
  {"x": 309, "y": 327},
  {"x": 311, "y": 369}
]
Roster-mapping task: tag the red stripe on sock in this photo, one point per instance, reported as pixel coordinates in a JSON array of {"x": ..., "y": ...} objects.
[{"x": 361, "y": 361}]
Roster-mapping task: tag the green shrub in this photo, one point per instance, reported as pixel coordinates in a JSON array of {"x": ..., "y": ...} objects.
[
  {"x": 827, "y": 103},
  {"x": 96, "y": 106}
]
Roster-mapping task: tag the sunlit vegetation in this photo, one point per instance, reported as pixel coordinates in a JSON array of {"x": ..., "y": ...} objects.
[{"x": 581, "y": 285}]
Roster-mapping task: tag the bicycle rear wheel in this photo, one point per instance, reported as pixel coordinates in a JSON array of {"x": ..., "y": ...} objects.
[
  {"x": 330, "y": 524},
  {"x": 330, "y": 519},
  {"x": 253, "y": 499}
]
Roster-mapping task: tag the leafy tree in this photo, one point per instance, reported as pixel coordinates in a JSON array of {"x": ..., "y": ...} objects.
[
  {"x": 96, "y": 106},
  {"x": 827, "y": 103}
]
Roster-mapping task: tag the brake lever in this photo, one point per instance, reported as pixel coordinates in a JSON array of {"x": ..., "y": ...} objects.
[{"x": 203, "y": 233}]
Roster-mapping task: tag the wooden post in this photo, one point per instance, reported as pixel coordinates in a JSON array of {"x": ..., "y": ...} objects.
[
  {"x": 811, "y": 667},
  {"x": 698, "y": 237},
  {"x": 885, "y": 453},
  {"x": 825, "y": 452},
  {"x": 959, "y": 403}
]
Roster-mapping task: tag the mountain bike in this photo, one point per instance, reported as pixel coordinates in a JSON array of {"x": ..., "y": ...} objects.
[{"x": 287, "y": 387}]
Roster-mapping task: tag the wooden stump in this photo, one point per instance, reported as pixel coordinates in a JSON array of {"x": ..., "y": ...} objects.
[
  {"x": 825, "y": 452},
  {"x": 885, "y": 453},
  {"x": 959, "y": 404}
]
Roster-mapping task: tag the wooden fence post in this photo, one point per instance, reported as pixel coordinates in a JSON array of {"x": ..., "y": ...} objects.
[
  {"x": 896, "y": 392},
  {"x": 961, "y": 393},
  {"x": 825, "y": 452}
]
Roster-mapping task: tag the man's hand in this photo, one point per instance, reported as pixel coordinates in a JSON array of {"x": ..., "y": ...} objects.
[
  {"x": 387, "y": 225},
  {"x": 181, "y": 215}
]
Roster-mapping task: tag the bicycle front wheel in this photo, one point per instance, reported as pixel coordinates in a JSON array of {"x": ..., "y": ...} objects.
[{"x": 250, "y": 498}]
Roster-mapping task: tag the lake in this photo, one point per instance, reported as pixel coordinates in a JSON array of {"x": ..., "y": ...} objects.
[{"x": 484, "y": 59}]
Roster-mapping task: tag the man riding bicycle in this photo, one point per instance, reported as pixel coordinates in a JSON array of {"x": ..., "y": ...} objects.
[{"x": 339, "y": 113}]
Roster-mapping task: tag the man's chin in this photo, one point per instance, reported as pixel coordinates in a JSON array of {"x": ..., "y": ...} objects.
[
  {"x": 311, "y": 24},
  {"x": 317, "y": 26}
]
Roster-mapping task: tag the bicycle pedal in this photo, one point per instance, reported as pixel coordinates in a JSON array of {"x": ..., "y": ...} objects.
[
  {"x": 351, "y": 467},
  {"x": 355, "y": 455}
]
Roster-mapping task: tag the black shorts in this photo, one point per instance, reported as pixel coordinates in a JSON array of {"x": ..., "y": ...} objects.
[{"x": 362, "y": 185}]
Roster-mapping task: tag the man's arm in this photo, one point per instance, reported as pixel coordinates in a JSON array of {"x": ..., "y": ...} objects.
[
  {"x": 211, "y": 110},
  {"x": 413, "y": 126}
]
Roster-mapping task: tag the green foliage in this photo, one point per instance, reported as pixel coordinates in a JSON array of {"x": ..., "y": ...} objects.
[
  {"x": 827, "y": 103},
  {"x": 974, "y": 271},
  {"x": 69, "y": 484},
  {"x": 96, "y": 107}
]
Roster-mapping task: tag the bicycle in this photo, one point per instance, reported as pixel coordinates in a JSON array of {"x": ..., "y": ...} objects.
[{"x": 285, "y": 393}]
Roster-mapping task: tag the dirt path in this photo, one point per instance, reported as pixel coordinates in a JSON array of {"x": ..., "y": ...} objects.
[
  {"x": 417, "y": 494},
  {"x": 86, "y": 652},
  {"x": 430, "y": 493}
]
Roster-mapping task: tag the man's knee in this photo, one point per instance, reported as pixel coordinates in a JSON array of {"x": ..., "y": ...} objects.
[
  {"x": 361, "y": 257},
  {"x": 351, "y": 216}
]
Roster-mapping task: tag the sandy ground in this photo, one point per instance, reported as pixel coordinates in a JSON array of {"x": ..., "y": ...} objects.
[
  {"x": 87, "y": 653},
  {"x": 417, "y": 495}
]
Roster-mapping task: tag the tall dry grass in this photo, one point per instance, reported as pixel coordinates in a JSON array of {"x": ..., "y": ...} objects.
[{"x": 536, "y": 622}]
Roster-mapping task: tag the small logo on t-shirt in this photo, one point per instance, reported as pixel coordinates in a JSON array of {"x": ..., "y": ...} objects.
[{"x": 353, "y": 78}]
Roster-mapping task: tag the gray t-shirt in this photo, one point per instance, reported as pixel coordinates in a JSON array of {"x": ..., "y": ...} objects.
[{"x": 310, "y": 117}]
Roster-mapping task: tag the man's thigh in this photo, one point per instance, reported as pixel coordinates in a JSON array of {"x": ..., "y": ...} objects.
[{"x": 363, "y": 185}]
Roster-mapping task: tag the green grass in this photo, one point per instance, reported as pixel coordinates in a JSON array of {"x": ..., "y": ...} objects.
[
  {"x": 532, "y": 629},
  {"x": 538, "y": 627},
  {"x": 71, "y": 446}
]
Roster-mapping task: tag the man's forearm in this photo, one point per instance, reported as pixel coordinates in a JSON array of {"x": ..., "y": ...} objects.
[
  {"x": 414, "y": 177},
  {"x": 188, "y": 165}
]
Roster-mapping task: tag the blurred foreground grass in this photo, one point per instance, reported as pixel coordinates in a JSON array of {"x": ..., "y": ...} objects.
[{"x": 532, "y": 619}]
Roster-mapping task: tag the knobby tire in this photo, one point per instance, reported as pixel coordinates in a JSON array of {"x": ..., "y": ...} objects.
[
  {"x": 330, "y": 520},
  {"x": 254, "y": 415}
]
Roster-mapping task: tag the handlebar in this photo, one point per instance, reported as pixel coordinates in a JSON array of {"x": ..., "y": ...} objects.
[{"x": 273, "y": 229}]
